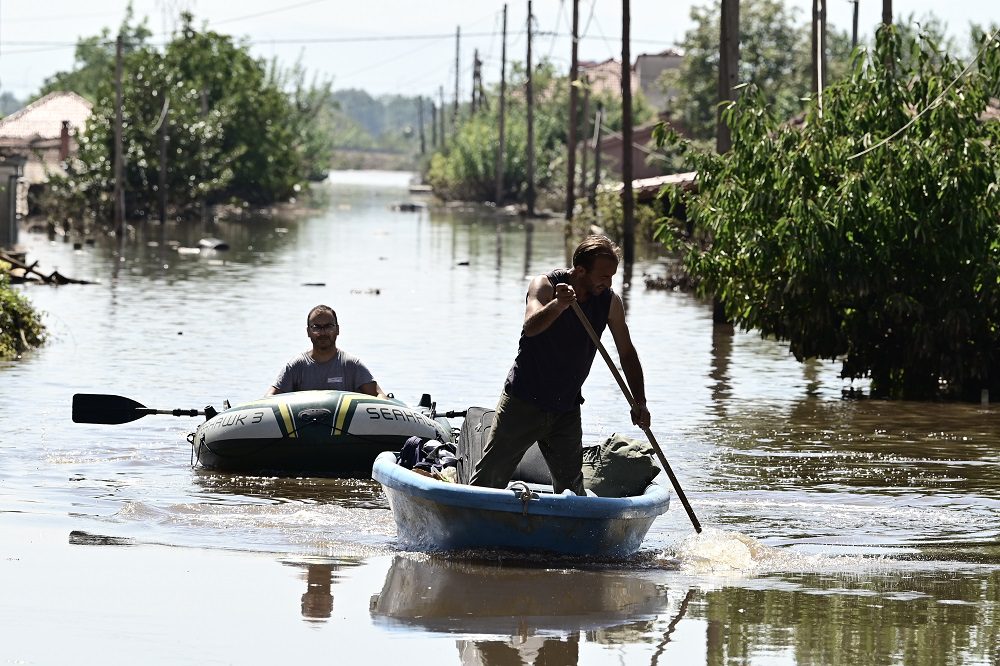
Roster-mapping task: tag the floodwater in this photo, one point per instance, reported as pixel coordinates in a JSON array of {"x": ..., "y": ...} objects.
[{"x": 837, "y": 530}]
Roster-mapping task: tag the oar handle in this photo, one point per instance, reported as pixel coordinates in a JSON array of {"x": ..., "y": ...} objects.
[
  {"x": 174, "y": 412},
  {"x": 631, "y": 403}
]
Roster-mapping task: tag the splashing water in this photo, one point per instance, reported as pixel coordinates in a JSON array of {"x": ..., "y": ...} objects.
[{"x": 723, "y": 552}]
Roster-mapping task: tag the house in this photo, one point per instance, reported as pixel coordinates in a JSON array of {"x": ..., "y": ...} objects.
[
  {"x": 44, "y": 133},
  {"x": 648, "y": 68},
  {"x": 606, "y": 76}
]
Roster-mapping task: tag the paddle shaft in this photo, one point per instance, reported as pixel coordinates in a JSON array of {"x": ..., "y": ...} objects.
[
  {"x": 631, "y": 403},
  {"x": 116, "y": 409}
]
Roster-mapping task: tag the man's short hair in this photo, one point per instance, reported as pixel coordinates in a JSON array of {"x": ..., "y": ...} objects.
[
  {"x": 591, "y": 248},
  {"x": 321, "y": 308}
]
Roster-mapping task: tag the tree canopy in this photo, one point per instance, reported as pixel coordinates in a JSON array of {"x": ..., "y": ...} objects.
[
  {"x": 238, "y": 130},
  {"x": 775, "y": 55},
  {"x": 870, "y": 233}
]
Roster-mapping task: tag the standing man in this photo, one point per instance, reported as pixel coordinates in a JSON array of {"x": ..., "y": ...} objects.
[
  {"x": 325, "y": 366},
  {"x": 541, "y": 397}
]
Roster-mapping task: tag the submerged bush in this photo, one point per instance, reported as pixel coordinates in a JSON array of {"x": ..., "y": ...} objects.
[{"x": 20, "y": 325}]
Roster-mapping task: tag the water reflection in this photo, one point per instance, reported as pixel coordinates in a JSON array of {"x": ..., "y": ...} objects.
[
  {"x": 918, "y": 620},
  {"x": 345, "y": 492},
  {"x": 317, "y": 600},
  {"x": 527, "y": 615}
]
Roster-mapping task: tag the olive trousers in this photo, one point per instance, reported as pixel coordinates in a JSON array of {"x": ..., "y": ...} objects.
[{"x": 519, "y": 424}]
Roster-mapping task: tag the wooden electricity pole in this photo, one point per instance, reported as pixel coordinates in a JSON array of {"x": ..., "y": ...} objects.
[
  {"x": 584, "y": 122},
  {"x": 729, "y": 62},
  {"x": 454, "y": 110},
  {"x": 818, "y": 46},
  {"x": 854, "y": 26},
  {"x": 119, "y": 161},
  {"x": 571, "y": 143},
  {"x": 598, "y": 119},
  {"x": 628, "y": 203},
  {"x": 501, "y": 110},
  {"x": 434, "y": 124},
  {"x": 164, "y": 142},
  {"x": 529, "y": 96},
  {"x": 887, "y": 12},
  {"x": 420, "y": 122}
]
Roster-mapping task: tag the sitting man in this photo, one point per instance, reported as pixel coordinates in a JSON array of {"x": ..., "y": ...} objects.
[{"x": 325, "y": 366}]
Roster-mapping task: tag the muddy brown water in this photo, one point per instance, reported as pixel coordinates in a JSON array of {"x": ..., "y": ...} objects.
[{"x": 837, "y": 530}]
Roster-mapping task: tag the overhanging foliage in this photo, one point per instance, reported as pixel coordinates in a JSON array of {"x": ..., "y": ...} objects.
[{"x": 888, "y": 260}]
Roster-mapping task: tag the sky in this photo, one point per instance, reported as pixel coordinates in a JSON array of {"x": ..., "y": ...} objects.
[{"x": 402, "y": 46}]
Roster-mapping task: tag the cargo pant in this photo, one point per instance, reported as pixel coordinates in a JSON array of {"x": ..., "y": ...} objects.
[{"x": 519, "y": 424}]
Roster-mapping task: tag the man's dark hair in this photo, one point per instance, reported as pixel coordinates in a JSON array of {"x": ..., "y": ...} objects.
[
  {"x": 591, "y": 248},
  {"x": 321, "y": 308}
]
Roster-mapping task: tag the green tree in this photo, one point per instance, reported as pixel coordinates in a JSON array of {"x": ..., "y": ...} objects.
[
  {"x": 465, "y": 168},
  {"x": 775, "y": 56},
  {"x": 238, "y": 130},
  {"x": 883, "y": 255}
]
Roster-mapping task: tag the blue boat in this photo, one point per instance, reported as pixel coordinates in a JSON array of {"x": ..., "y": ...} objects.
[{"x": 434, "y": 515}]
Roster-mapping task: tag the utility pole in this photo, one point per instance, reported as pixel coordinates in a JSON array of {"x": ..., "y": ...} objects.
[
  {"x": 420, "y": 121},
  {"x": 598, "y": 119},
  {"x": 584, "y": 121},
  {"x": 571, "y": 143},
  {"x": 475, "y": 78},
  {"x": 854, "y": 27},
  {"x": 887, "y": 12},
  {"x": 119, "y": 162},
  {"x": 454, "y": 110},
  {"x": 729, "y": 61},
  {"x": 628, "y": 203},
  {"x": 529, "y": 95},
  {"x": 164, "y": 141},
  {"x": 819, "y": 49},
  {"x": 502, "y": 109},
  {"x": 434, "y": 124}
]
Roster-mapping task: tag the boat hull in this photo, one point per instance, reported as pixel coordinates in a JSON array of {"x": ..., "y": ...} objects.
[
  {"x": 433, "y": 515},
  {"x": 312, "y": 433}
]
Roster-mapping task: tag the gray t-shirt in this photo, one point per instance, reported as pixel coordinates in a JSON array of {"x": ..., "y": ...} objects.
[{"x": 343, "y": 372}]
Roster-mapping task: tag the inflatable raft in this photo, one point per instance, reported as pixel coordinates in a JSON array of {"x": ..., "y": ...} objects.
[{"x": 314, "y": 433}]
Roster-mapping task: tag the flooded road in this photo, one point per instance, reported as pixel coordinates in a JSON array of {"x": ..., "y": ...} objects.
[{"x": 837, "y": 530}]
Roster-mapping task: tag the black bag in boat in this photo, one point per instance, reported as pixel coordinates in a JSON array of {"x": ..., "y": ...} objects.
[{"x": 472, "y": 441}]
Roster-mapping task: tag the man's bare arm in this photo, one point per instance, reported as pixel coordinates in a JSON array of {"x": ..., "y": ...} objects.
[{"x": 545, "y": 303}]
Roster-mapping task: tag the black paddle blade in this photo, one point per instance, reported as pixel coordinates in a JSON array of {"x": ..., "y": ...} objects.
[{"x": 108, "y": 409}]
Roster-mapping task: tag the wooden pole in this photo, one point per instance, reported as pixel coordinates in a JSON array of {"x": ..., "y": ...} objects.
[
  {"x": 434, "y": 124},
  {"x": 571, "y": 132},
  {"x": 529, "y": 95},
  {"x": 887, "y": 12},
  {"x": 854, "y": 27},
  {"x": 584, "y": 121},
  {"x": 502, "y": 110},
  {"x": 475, "y": 80},
  {"x": 628, "y": 203},
  {"x": 729, "y": 60},
  {"x": 598, "y": 119},
  {"x": 420, "y": 122},
  {"x": 164, "y": 141},
  {"x": 454, "y": 110},
  {"x": 818, "y": 46},
  {"x": 119, "y": 160}
]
